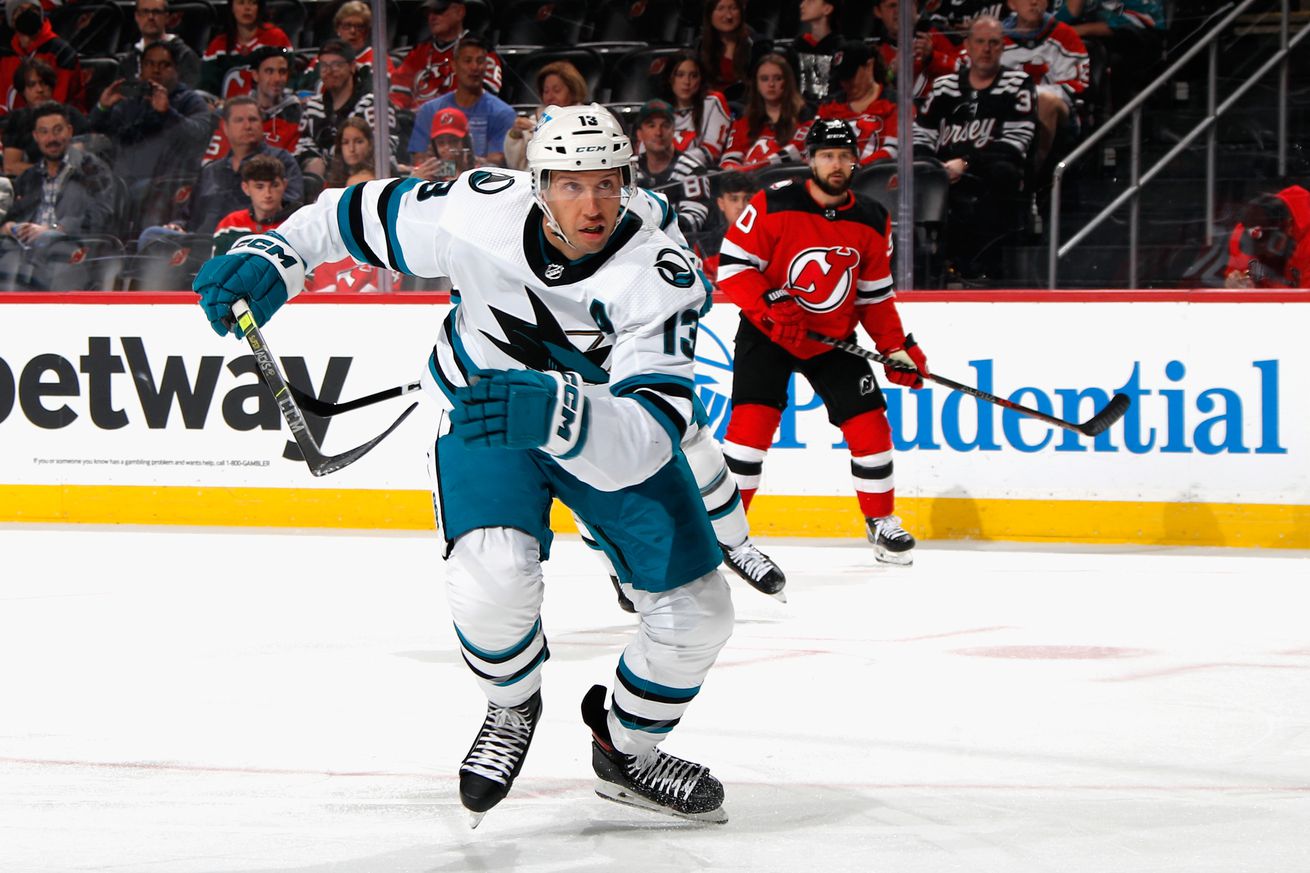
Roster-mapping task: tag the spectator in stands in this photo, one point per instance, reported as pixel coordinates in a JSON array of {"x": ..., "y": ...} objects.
[
  {"x": 35, "y": 38},
  {"x": 729, "y": 50},
  {"x": 152, "y": 23},
  {"x": 264, "y": 184},
  {"x": 701, "y": 117},
  {"x": 490, "y": 118},
  {"x": 428, "y": 71},
  {"x": 558, "y": 84},
  {"x": 773, "y": 127},
  {"x": 35, "y": 80},
  {"x": 733, "y": 192},
  {"x": 353, "y": 158},
  {"x": 857, "y": 79},
  {"x": 1270, "y": 246},
  {"x": 343, "y": 96},
  {"x": 934, "y": 54},
  {"x": 219, "y": 189},
  {"x": 450, "y": 147},
  {"x": 159, "y": 128},
  {"x": 245, "y": 28},
  {"x": 353, "y": 24},
  {"x": 1053, "y": 55},
  {"x": 68, "y": 192},
  {"x": 1133, "y": 31},
  {"x": 278, "y": 105},
  {"x": 980, "y": 123},
  {"x": 658, "y": 168},
  {"x": 811, "y": 52}
]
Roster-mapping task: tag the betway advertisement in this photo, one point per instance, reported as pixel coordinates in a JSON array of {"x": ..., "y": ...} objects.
[{"x": 128, "y": 394}]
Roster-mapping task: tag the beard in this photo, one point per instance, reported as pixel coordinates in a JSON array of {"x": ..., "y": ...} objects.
[{"x": 830, "y": 189}]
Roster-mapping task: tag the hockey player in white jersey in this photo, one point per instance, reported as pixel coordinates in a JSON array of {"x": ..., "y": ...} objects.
[
  {"x": 566, "y": 368},
  {"x": 718, "y": 489}
]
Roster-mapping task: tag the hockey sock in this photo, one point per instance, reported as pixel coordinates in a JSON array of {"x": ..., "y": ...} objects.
[
  {"x": 870, "y": 440},
  {"x": 750, "y": 433},
  {"x": 718, "y": 490}
]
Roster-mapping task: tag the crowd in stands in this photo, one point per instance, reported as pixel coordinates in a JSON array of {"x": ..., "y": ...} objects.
[{"x": 172, "y": 151}]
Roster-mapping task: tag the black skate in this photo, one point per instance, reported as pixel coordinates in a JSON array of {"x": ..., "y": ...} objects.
[
  {"x": 757, "y": 568},
  {"x": 624, "y": 603},
  {"x": 652, "y": 780},
  {"x": 891, "y": 543},
  {"x": 496, "y": 755}
]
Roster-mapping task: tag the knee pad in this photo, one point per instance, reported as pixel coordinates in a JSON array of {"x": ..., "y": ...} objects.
[
  {"x": 493, "y": 584},
  {"x": 694, "y": 617},
  {"x": 867, "y": 433},
  {"x": 752, "y": 425}
]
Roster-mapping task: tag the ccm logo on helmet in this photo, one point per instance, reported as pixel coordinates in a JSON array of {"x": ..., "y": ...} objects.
[
  {"x": 821, "y": 278},
  {"x": 583, "y": 149}
]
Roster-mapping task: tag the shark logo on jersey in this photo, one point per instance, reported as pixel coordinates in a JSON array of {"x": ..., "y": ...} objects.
[
  {"x": 546, "y": 346},
  {"x": 673, "y": 268},
  {"x": 487, "y": 182}
]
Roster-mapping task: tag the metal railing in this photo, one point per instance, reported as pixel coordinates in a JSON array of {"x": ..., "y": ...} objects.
[{"x": 1132, "y": 112}]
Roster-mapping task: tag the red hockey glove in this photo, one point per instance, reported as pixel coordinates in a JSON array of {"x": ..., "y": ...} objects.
[
  {"x": 785, "y": 319},
  {"x": 909, "y": 355}
]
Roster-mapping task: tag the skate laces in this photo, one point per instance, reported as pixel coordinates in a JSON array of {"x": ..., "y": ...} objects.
[
  {"x": 889, "y": 526},
  {"x": 500, "y": 743},
  {"x": 664, "y": 773},
  {"x": 750, "y": 560}
]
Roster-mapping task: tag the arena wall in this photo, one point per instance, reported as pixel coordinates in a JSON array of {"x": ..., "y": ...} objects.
[{"x": 125, "y": 408}]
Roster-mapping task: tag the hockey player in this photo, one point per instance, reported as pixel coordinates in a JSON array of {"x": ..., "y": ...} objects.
[
  {"x": 565, "y": 370},
  {"x": 815, "y": 256}
]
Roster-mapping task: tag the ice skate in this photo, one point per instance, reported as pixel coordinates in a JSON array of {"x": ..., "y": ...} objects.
[
  {"x": 652, "y": 780},
  {"x": 624, "y": 603},
  {"x": 891, "y": 543},
  {"x": 496, "y": 755},
  {"x": 757, "y": 568}
]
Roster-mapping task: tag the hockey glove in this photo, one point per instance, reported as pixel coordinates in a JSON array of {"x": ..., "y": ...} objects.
[
  {"x": 263, "y": 269},
  {"x": 908, "y": 355},
  {"x": 786, "y": 319},
  {"x": 522, "y": 409}
]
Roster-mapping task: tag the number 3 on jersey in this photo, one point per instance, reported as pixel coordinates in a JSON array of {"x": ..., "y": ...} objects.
[{"x": 680, "y": 333}]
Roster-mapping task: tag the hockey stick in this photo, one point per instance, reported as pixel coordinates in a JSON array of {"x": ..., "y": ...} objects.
[
  {"x": 1099, "y": 423},
  {"x": 325, "y": 409},
  {"x": 271, "y": 375}
]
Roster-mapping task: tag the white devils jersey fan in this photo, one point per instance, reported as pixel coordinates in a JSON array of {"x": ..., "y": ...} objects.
[{"x": 836, "y": 263}]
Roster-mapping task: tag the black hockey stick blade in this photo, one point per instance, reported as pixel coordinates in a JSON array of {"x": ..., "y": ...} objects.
[
  {"x": 270, "y": 374},
  {"x": 1113, "y": 411},
  {"x": 326, "y": 409}
]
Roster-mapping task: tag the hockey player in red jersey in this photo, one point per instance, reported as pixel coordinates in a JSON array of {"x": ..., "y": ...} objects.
[{"x": 815, "y": 256}]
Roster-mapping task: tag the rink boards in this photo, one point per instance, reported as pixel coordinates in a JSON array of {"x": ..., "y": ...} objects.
[{"x": 128, "y": 409}]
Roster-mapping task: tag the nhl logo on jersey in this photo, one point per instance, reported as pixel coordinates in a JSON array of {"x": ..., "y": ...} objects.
[
  {"x": 673, "y": 268},
  {"x": 554, "y": 271},
  {"x": 821, "y": 278}
]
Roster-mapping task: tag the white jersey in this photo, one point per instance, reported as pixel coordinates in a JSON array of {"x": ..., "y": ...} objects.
[{"x": 624, "y": 319}]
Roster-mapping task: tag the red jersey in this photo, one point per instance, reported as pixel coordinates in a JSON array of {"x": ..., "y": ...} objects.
[
  {"x": 224, "y": 70},
  {"x": 941, "y": 61},
  {"x": 346, "y": 274},
  {"x": 875, "y": 128},
  {"x": 1296, "y": 270},
  {"x": 835, "y": 261},
  {"x": 56, "y": 52},
  {"x": 429, "y": 71},
  {"x": 237, "y": 224},
  {"x": 746, "y": 153}
]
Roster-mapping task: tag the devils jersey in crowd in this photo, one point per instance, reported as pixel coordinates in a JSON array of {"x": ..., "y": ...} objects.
[
  {"x": 995, "y": 123},
  {"x": 428, "y": 71},
  {"x": 875, "y": 127},
  {"x": 688, "y": 193},
  {"x": 1053, "y": 55},
  {"x": 836, "y": 262}
]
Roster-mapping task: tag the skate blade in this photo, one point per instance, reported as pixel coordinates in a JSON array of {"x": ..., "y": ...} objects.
[
  {"x": 475, "y": 819},
  {"x": 780, "y": 597},
  {"x": 610, "y": 791},
  {"x": 898, "y": 559}
]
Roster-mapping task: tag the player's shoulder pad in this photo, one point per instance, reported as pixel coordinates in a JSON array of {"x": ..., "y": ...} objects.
[
  {"x": 785, "y": 195},
  {"x": 653, "y": 208},
  {"x": 869, "y": 211},
  {"x": 492, "y": 182},
  {"x": 650, "y": 279}
]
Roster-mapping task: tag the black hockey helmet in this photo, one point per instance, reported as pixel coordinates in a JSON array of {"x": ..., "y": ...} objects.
[{"x": 831, "y": 133}]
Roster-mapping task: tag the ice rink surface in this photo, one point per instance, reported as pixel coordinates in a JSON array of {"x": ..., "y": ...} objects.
[{"x": 183, "y": 700}]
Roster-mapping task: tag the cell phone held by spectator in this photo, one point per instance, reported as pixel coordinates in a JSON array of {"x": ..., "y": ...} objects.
[{"x": 135, "y": 89}]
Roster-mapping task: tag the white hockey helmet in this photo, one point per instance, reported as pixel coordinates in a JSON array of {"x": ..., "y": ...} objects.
[{"x": 578, "y": 138}]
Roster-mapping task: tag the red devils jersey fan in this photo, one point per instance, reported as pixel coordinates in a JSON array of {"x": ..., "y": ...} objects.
[{"x": 814, "y": 256}]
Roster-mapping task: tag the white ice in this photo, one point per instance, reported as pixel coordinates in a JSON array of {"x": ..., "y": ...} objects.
[{"x": 216, "y": 700}]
